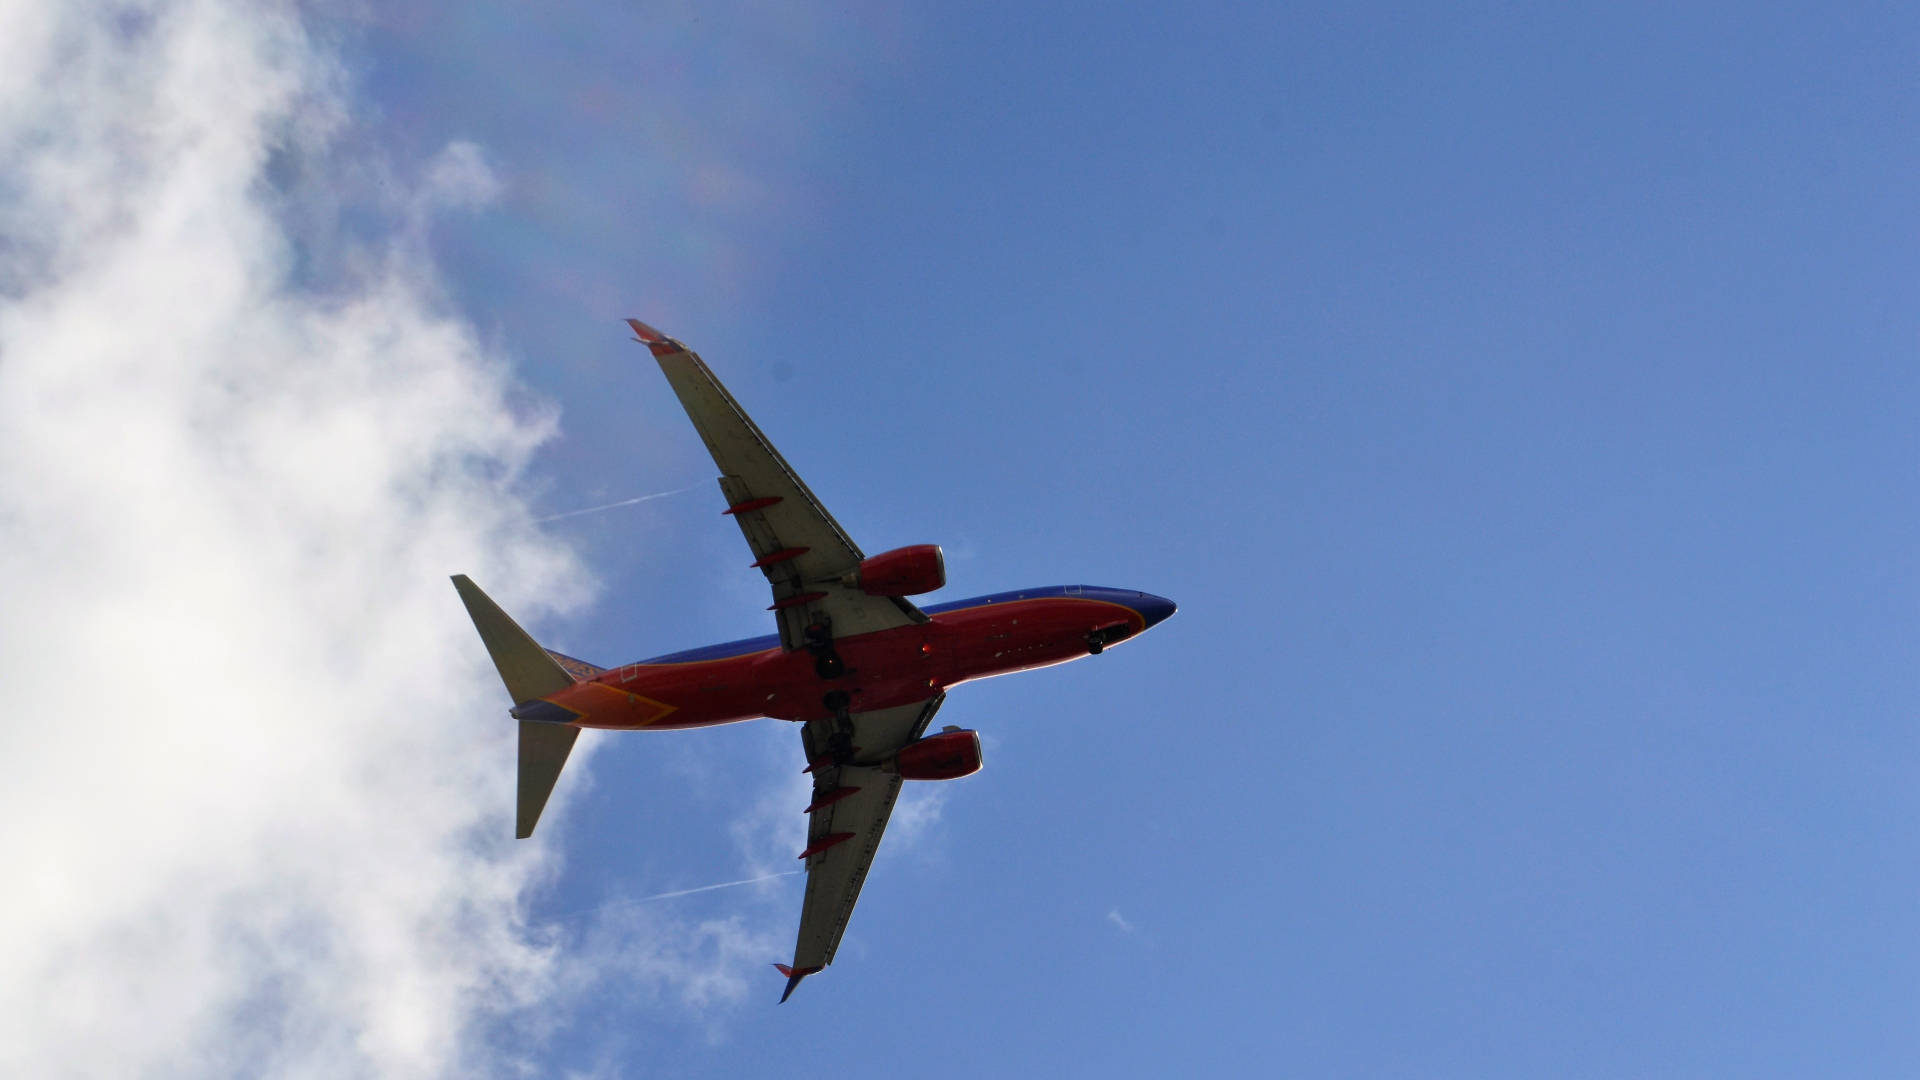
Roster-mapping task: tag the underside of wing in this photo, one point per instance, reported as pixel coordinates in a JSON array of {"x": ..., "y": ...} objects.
[
  {"x": 849, "y": 812},
  {"x": 796, "y": 543}
]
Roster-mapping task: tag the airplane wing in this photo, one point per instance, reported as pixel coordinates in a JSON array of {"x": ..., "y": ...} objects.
[
  {"x": 851, "y": 804},
  {"x": 795, "y": 542}
]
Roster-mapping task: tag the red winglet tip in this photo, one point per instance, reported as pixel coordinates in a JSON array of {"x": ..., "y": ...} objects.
[
  {"x": 656, "y": 342},
  {"x": 793, "y": 978}
]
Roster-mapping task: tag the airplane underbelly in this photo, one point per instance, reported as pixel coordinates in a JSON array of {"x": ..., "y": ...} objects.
[
  {"x": 883, "y": 669},
  {"x": 1021, "y": 636}
]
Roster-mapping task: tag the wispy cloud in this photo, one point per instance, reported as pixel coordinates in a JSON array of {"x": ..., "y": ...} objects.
[
  {"x": 916, "y": 814},
  {"x": 771, "y": 830},
  {"x": 1119, "y": 920},
  {"x": 693, "y": 965}
]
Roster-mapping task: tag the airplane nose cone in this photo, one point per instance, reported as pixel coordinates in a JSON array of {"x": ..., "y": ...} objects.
[{"x": 1154, "y": 609}]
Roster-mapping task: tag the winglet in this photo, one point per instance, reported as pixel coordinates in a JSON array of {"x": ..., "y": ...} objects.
[
  {"x": 793, "y": 978},
  {"x": 656, "y": 342}
]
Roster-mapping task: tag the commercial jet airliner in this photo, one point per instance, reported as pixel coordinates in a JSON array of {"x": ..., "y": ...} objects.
[{"x": 857, "y": 665}]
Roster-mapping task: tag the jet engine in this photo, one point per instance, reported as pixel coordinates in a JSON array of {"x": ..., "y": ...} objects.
[
  {"x": 907, "y": 571},
  {"x": 947, "y": 756}
]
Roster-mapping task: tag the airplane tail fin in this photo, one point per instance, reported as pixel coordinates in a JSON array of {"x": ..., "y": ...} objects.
[
  {"x": 579, "y": 669},
  {"x": 530, "y": 672}
]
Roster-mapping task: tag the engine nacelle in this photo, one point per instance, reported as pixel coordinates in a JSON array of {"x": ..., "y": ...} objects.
[
  {"x": 946, "y": 756},
  {"x": 907, "y": 571}
]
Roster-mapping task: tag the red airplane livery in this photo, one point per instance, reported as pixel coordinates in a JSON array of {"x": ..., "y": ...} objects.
[{"x": 856, "y": 664}]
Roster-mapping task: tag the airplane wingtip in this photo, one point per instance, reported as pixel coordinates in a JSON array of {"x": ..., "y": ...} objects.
[
  {"x": 793, "y": 979},
  {"x": 655, "y": 341}
]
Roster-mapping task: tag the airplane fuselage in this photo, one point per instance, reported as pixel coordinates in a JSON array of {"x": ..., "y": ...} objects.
[{"x": 755, "y": 677}]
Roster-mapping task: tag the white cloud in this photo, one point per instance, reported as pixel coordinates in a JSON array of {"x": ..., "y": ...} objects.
[
  {"x": 259, "y": 783},
  {"x": 688, "y": 964},
  {"x": 770, "y": 832},
  {"x": 459, "y": 178},
  {"x": 1119, "y": 920},
  {"x": 917, "y": 812},
  {"x": 259, "y": 780}
]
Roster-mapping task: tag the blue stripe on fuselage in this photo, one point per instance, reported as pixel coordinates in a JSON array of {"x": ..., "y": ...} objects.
[
  {"x": 729, "y": 649},
  {"x": 722, "y": 651}
]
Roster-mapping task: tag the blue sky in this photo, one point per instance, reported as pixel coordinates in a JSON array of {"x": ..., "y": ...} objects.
[{"x": 1518, "y": 402}]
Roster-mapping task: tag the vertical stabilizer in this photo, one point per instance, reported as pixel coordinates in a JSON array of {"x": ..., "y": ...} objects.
[{"x": 529, "y": 672}]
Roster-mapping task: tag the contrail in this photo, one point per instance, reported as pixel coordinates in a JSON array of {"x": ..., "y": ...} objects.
[
  {"x": 678, "y": 892},
  {"x": 615, "y": 505},
  {"x": 710, "y": 888}
]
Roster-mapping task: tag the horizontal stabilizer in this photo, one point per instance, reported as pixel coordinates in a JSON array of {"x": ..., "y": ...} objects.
[
  {"x": 530, "y": 673},
  {"x": 543, "y": 753}
]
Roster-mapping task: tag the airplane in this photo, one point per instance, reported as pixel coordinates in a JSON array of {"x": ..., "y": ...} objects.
[{"x": 856, "y": 664}]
